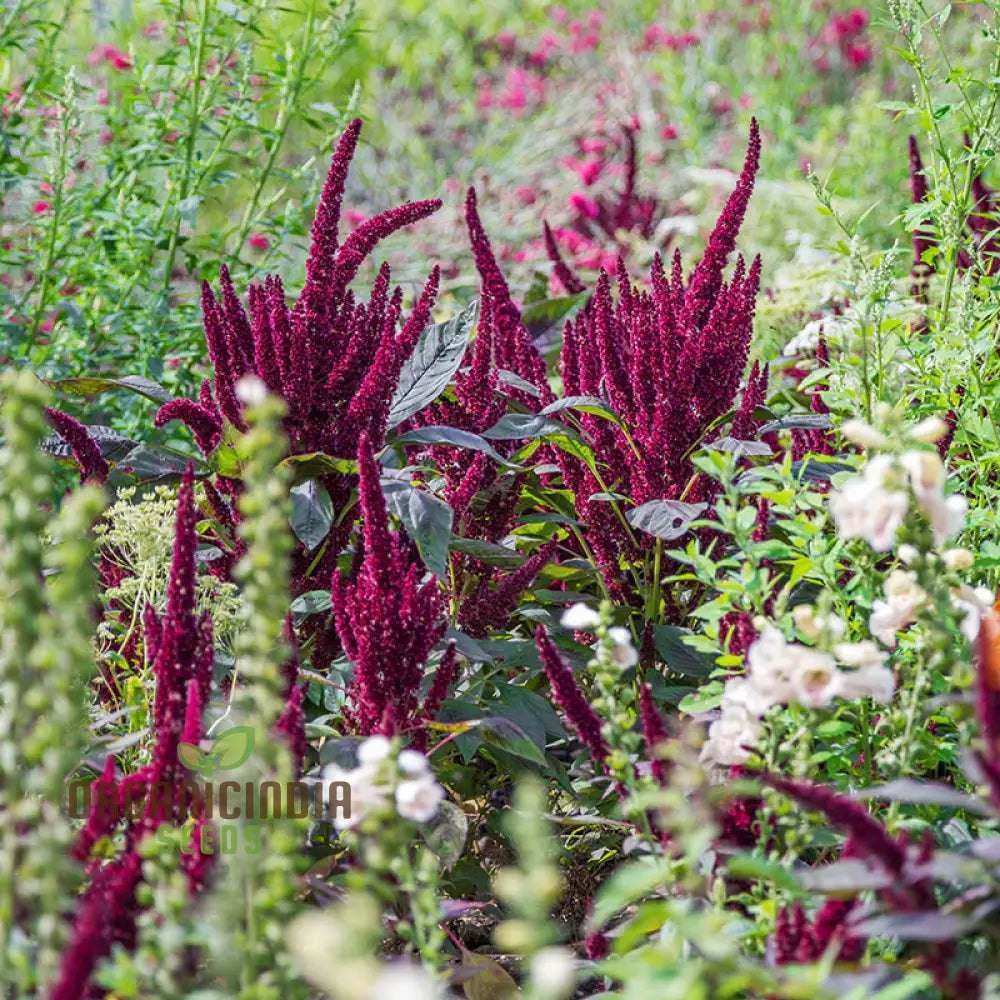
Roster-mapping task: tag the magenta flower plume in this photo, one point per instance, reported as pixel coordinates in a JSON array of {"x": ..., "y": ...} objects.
[
  {"x": 387, "y": 619},
  {"x": 204, "y": 424},
  {"x": 513, "y": 347},
  {"x": 670, "y": 361},
  {"x": 655, "y": 734},
  {"x": 444, "y": 678},
  {"x": 567, "y": 695},
  {"x": 489, "y": 606},
  {"x": 180, "y": 647},
  {"x": 563, "y": 272},
  {"x": 94, "y": 467},
  {"x": 334, "y": 359}
]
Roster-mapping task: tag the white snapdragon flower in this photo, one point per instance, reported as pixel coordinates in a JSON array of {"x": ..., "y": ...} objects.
[
  {"x": 403, "y": 980},
  {"x": 741, "y": 695},
  {"x": 868, "y": 681},
  {"x": 771, "y": 664},
  {"x": 957, "y": 559},
  {"x": 580, "y": 617},
  {"x": 903, "y": 597},
  {"x": 928, "y": 431},
  {"x": 815, "y": 680},
  {"x": 815, "y": 627},
  {"x": 860, "y": 654},
  {"x": 412, "y": 763},
  {"x": 623, "y": 654},
  {"x": 867, "y": 508},
  {"x": 974, "y": 602},
  {"x": 863, "y": 434},
  {"x": 374, "y": 750},
  {"x": 727, "y": 738},
  {"x": 368, "y": 793},
  {"x": 418, "y": 798},
  {"x": 927, "y": 476},
  {"x": 553, "y": 972}
]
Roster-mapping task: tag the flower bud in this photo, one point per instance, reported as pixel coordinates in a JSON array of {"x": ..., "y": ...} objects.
[{"x": 863, "y": 434}]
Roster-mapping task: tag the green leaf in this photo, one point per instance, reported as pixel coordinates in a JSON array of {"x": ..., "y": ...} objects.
[
  {"x": 113, "y": 446},
  {"x": 141, "y": 386},
  {"x": 192, "y": 757},
  {"x": 525, "y": 426},
  {"x": 315, "y": 464},
  {"x": 505, "y": 734},
  {"x": 703, "y": 700},
  {"x": 627, "y": 884},
  {"x": 679, "y": 657},
  {"x": 432, "y": 365},
  {"x": 312, "y": 513},
  {"x": 483, "y": 979},
  {"x": 456, "y": 438},
  {"x": 488, "y": 552},
  {"x": 667, "y": 519},
  {"x": 745, "y": 866},
  {"x": 542, "y": 315},
  {"x": 233, "y": 748},
  {"x": 148, "y": 464},
  {"x": 427, "y": 521},
  {"x": 313, "y": 602}
]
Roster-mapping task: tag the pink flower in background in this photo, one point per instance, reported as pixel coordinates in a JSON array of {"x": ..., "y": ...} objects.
[
  {"x": 354, "y": 217},
  {"x": 593, "y": 145},
  {"x": 121, "y": 61},
  {"x": 259, "y": 241},
  {"x": 525, "y": 195},
  {"x": 45, "y": 187},
  {"x": 153, "y": 30},
  {"x": 584, "y": 42},
  {"x": 104, "y": 98},
  {"x": 745, "y": 100},
  {"x": 669, "y": 132},
  {"x": 40, "y": 207},
  {"x": 584, "y": 205},
  {"x": 859, "y": 56},
  {"x": 559, "y": 15},
  {"x": 106, "y": 136}
]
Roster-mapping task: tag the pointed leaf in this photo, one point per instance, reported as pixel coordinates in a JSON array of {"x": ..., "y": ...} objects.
[
  {"x": 427, "y": 521},
  {"x": 489, "y": 981},
  {"x": 454, "y": 437},
  {"x": 141, "y": 386},
  {"x": 667, "y": 519},
  {"x": 432, "y": 365},
  {"x": 505, "y": 734},
  {"x": 312, "y": 513},
  {"x": 113, "y": 446}
]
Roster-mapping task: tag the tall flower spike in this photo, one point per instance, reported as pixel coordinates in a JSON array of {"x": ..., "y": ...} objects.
[
  {"x": 203, "y": 423},
  {"x": 707, "y": 275},
  {"x": 655, "y": 734},
  {"x": 567, "y": 694},
  {"x": 94, "y": 467},
  {"x": 563, "y": 272}
]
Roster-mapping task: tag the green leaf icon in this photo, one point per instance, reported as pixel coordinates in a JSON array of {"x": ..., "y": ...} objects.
[
  {"x": 190, "y": 756},
  {"x": 233, "y": 748}
]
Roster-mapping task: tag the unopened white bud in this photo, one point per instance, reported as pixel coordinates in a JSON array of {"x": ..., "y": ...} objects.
[{"x": 863, "y": 434}]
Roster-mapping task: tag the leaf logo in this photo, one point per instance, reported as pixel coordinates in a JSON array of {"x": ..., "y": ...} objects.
[{"x": 227, "y": 752}]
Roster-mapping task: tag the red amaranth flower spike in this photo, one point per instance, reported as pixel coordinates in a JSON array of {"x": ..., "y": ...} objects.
[
  {"x": 387, "y": 619},
  {"x": 94, "y": 467},
  {"x": 567, "y": 694},
  {"x": 655, "y": 734}
]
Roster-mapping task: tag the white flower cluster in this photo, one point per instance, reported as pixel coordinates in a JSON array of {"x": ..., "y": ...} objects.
[
  {"x": 781, "y": 673},
  {"x": 374, "y": 781},
  {"x": 872, "y": 506},
  {"x": 618, "y": 645}
]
